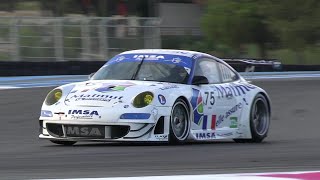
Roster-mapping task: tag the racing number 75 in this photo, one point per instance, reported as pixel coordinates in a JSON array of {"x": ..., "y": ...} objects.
[{"x": 210, "y": 97}]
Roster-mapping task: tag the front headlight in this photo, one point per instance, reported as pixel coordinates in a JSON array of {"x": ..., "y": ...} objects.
[
  {"x": 143, "y": 99},
  {"x": 53, "y": 97}
]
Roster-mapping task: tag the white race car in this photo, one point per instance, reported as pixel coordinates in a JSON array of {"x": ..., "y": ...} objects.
[{"x": 157, "y": 95}]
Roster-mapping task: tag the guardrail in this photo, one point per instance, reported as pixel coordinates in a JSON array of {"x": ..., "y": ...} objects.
[{"x": 75, "y": 38}]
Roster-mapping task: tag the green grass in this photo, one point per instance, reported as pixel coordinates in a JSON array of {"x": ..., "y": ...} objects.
[
  {"x": 28, "y": 6},
  {"x": 310, "y": 55},
  {"x": 5, "y": 56}
]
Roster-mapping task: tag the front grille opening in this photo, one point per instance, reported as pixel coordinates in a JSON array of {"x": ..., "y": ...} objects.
[
  {"x": 88, "y": 131},
  {"x": 55, "y": 130},
  {"x": 85, "y": 131},
  {"x": 119, "y": 131},
  {"x": 41, "y": 127},
  {"x": 159, "y": 129}
]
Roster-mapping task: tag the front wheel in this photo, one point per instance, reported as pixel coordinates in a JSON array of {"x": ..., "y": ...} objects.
[
  {"x": 66, "y": 143},
  {"x": 259, "y": 120},
  {"x": 179, "y": 122}
]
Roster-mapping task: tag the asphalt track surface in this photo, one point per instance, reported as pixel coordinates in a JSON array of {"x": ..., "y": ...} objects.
[{"x": 293, "y": 142}]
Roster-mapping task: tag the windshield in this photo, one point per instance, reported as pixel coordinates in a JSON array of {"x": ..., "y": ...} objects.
[{"x": 155, "y": 68}]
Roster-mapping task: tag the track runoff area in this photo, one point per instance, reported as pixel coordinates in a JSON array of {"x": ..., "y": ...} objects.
[
  {"x": 48, "y": 81},
  {"x": 301, "y": 175}
]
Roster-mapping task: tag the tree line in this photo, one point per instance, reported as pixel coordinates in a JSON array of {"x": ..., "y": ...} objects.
[{"x": 269, "y": 24}]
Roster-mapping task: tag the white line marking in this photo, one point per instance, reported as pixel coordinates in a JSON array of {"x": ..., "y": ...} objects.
[
  {"x": 8, "y": 87},
  {"x": 49, "y": 81},
  {"x": 307, "y": 175}
]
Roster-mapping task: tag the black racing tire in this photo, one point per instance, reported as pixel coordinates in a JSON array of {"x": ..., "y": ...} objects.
[
  {"x": 259, "y": 120},
  {"x": 179, "y": 122},
  {"x": 66, "y": 143}
]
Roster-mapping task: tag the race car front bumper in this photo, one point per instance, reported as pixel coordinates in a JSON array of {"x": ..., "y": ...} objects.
[{"x": 89, "y": 131}]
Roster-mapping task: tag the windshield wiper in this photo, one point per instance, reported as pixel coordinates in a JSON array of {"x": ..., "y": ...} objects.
[{"x": 138, "y": 69}]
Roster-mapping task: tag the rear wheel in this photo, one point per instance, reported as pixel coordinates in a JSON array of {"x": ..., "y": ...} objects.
[
  {"x": 66, "y": 143},
  {"x": 259, "y": 120},
  {"x": 179, "y": 122}
]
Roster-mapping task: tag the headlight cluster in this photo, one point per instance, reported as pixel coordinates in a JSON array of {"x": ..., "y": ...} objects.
[
  {"x": 143, "y": 99},
  {"x": 53, "y": 96}
]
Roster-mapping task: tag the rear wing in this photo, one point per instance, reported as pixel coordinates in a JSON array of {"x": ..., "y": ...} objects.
[{"x": 254, "y": 65}]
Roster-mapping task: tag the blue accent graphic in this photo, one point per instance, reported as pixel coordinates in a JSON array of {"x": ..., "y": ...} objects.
[
  {"x": 197, "y": 116},
  {"x": 45, "y": 113},
  {"x": 204, "y": 123},
  {"x": 149, "y": 57},
  {"x": 135, "y": 116}
]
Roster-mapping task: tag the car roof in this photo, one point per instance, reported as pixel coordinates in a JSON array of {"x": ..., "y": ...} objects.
[{"x": 186, "y": 53}]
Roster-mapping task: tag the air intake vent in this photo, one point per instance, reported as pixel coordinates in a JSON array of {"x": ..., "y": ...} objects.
[
  {"x": 159, "y": 129},
  {"x": 55, "y": 130}
]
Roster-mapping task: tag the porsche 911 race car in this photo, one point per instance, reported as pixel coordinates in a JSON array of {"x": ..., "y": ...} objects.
[{"x": 157, "y": 95}]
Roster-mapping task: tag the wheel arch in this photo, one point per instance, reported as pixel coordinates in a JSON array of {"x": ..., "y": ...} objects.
[
  {"x": 187, "y": 102},
  {"x": 190, "y": 114},
  {"x": 265, "y": 95}
]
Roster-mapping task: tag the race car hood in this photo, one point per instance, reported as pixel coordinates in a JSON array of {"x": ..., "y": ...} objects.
[{"x": 108, "y": 93}]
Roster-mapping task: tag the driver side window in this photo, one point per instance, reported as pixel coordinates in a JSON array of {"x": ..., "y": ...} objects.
[
  {"x": 227, "y": 74},
  {"x": 207, "y": 68}
]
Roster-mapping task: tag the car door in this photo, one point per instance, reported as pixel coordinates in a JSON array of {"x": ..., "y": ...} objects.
[
  {"x": 229, "y": 91},
  {"x": 212, "y": 100}
]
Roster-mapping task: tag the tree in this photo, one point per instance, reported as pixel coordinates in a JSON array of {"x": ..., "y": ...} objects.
[
  {"x": 297, "y": 22},
  {"x": 236, "y": 22}
]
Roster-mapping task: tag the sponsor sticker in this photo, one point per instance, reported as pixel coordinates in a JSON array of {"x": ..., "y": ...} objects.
[
  {"x": 148, "y": 57},
  {"x": 205, "y": 135},
  {"x": 234, "y": 122},
  {"x": 74, "y": 91},
  {"x": 119, "y": 59},
  {"x": 94, "y": 97},
  {"x": 162, "y": 99},
  {"x": 45, "y": 113},
  {"x": 83, "y": 131},
  {"x": 176, "y": 60},
  {"x": 225, "y": 134},
  {"x": 169, "y": 87},
  {"x": 234, "y": 109},
  {"x": 245, "y": 101},
  {"x": 234, "y": 89},
  {"x": 83, "y": 114},
  {"x": 161, "y": 136},
  {"x": 104, "y": 88}
]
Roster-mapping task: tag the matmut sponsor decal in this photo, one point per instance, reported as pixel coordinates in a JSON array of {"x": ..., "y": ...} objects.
[
  {"x": 93, "y": 97},
  {"x": 104, "y": 87},
  {"x": 233, "y": 89}
]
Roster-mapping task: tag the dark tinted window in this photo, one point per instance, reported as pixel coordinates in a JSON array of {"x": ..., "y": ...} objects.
[{"x": 149, "y": 71}]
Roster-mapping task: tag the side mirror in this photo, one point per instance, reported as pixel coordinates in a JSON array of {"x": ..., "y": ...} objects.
[
  {"x": 197, "y": 80},
  {"x": 90, "y": 75}
]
